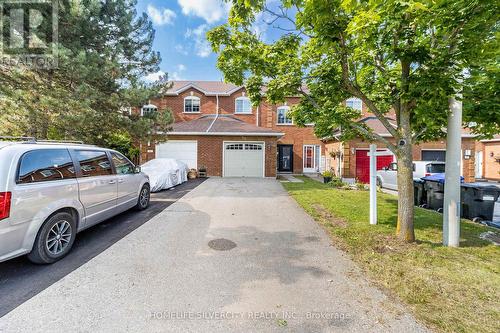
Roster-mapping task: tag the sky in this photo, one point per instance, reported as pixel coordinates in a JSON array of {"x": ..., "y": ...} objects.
[{"x": 181, "y": 26}]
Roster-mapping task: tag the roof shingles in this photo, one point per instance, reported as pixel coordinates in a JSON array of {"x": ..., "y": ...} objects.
[
  {"x": 224, "y": 124},
  {"x": 214, "y": 87}
]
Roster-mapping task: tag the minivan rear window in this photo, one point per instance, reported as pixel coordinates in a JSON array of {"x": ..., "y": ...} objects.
[
  {"x": 93, "y": 163},
  {"x": 435, "y": 168},
  {"x": 45, "y": 165}
]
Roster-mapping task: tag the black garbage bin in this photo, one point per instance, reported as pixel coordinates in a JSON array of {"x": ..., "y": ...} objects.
[
  {"x": 434, "y": 193},
  {"x": 419, "y": 192},
  {"x": 478, "y": 201},
  {"x": 434, "y": 187}
]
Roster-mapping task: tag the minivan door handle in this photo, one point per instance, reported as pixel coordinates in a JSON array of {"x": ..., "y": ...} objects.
[{"x": 112, "y": 182}]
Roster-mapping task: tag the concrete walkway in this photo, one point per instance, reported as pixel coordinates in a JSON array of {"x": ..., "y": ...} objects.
[{"x": 282, "y": 276}]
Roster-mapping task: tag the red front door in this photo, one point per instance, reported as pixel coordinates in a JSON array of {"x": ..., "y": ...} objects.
[{"x": 363, "y": 165}]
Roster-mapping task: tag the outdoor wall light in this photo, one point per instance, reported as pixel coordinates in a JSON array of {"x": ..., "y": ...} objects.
[{"x": 467, "y": 154}]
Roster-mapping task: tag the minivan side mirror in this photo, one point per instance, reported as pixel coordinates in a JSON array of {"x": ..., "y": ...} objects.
[{"x": 137, "y": 169}]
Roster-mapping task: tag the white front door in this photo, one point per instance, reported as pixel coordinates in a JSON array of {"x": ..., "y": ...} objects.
[
  {"x": 311, "y": 158},
  {"x": 243, "y": 159},
  {"x": 184, "y": 151},
  {"x": 479, "y": 164}
]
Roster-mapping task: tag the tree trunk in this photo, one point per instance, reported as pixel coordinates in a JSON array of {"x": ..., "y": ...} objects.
[{"x": 405, "y": 229}]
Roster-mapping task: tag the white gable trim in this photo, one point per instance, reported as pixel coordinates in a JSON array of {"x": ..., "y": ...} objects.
[{"x": 207, "y": 93}]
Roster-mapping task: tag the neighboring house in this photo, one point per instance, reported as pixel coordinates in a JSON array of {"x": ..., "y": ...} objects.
[
  {"x": 216, "y": 127},
  {"x": 350, "y": 160},
  {"x": 487, "y": 158}
]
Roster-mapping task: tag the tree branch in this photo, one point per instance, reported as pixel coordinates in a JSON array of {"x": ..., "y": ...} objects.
[
  {"x": 356, "y": 91},
  {"x": 419, "y": 133},
  {"x": 373, "y": 136},
  {"x": 283, "y": 15},
  {"x": 376, "y": 137}
]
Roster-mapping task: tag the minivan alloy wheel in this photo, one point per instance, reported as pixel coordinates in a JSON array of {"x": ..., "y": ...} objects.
[
  {"x": 59, "y": 237},
  {"x": 144, "y": 199}
]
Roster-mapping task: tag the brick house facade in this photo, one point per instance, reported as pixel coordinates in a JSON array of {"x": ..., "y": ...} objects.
[
  {"x": 218, "y": 100},
  {"x": 487, "y": 155},
  {"x": 343, "y": 158}
]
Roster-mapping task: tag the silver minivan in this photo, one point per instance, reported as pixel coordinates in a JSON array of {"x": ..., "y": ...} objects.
[{"x": 51, "y": 191}]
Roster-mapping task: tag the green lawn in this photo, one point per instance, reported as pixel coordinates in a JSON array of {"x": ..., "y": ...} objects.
[{"x": 449, "y": 289}]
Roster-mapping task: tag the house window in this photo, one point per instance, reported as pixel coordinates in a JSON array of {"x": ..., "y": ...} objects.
[
  {"x": 192, "y": 104},
  {"x": 236, "y": 146},
  {"x": 243, "y": 105},
  {"x": 283, "y": 116},
  {"x": 354, "y": 103},
  {"x": 251, "y": 146},
  {"x": 148, "y": 109}
]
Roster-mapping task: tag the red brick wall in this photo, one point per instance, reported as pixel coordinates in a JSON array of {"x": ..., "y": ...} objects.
[
  {"x": 296, "y": 136},
  {"x": 267, "y": 117},
  {"x": 491, "y": 164},
  {"x": 208, "y": 105},
  {"x": 210, "y": 151}
]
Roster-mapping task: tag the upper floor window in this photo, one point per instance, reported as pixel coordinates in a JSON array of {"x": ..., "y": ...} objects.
[
  {"x": 125, "y": 110},
  {"x": 243, "y": 105},
  {"x": 284, "y": 117},
  {"x": 148, "y": 109},
  {"x": 354, "y": 103},
  {"x": 191, "y": 104}
]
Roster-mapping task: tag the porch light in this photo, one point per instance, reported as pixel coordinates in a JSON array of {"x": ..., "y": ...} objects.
[{"x": 467, "y": 154}]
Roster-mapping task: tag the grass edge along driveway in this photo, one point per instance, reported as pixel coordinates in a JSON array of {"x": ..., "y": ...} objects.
[{"x": 448, "y": 289}]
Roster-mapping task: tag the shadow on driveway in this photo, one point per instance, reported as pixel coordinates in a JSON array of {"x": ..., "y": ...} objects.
[{"x": 20, "y": 280}]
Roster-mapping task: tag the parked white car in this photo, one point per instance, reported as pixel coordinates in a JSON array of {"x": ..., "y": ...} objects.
[
  {"x": 387, "y": 177},
  {"x": 165, "y": 173}
]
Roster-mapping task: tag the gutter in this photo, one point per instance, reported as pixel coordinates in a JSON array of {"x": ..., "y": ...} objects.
[
  {"x": 257, "y": 118},
  {"x": 224, "y": 133}
]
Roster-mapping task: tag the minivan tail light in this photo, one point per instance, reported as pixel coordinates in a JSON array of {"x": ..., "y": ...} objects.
[
  {"x": 427, "y": 174},
  {"x": 5, "y": 198}
]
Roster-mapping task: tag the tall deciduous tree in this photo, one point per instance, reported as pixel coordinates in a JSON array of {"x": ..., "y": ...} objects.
[{"x": 400, "y": 57}]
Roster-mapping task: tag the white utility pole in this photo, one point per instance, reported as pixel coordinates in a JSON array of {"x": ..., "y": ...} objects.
[
  {"x": 373, "y": 184},
  {"x": 451, "y": 208}
]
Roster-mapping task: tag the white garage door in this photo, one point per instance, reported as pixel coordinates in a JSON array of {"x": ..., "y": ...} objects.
[
  {"x": 243, "y": 159},
  {"x": 185, "y": 151}
]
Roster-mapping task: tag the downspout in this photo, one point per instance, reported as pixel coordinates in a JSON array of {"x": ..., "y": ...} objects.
[
  {"x": 216, "y": 113},
  {"x": 257, "y": 119}
]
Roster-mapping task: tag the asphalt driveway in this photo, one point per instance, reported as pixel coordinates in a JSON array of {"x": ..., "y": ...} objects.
[{"x": 275, "y": 270}]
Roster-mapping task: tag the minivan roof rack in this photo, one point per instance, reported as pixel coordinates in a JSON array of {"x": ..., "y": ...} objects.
[
  {"x": 18, "y": 138},
  {"x": 61, "y": 141},
  {"x": 29, "y": 139}
]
